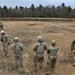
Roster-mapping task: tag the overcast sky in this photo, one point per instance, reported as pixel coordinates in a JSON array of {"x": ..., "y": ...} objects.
[{"x": 27, "y": 3}]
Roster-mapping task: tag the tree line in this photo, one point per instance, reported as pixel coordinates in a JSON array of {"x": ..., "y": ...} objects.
[{"x": 49, "y": 11}]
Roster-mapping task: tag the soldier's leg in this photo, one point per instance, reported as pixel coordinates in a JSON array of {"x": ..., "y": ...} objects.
[
  {"x": 49, "y": 62},
  {"x": 73, "y": 59},
  {"x": 21, "y": 61},
  {"x": 53, "y": 65},
  {"x": 15, "y": 61},
  {"x": 41, "y": 62},
  {"x": 36, "y": 59},
  {"x": 6, "y": 49}
]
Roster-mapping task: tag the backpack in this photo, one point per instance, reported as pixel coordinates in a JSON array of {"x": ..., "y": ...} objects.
[
  {"x": 17, "y": 48},
  {"x": 40, "y": 48}
]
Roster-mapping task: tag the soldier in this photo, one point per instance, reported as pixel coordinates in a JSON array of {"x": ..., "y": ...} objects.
[
  {"x": 39, "y": 52},
  {"x": 1, "y": 26},
  {"x": 6, "y": 41},
  {"x": 73, "y": 50},
  {"x": 17, "y": 50},
  {"x": 52, "y": 56}
]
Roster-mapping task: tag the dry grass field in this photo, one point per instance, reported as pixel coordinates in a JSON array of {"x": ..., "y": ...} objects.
[{"x": 27, "y": 31}]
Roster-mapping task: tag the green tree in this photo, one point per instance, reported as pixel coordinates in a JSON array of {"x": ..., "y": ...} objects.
[
  {"x": 41, "y": 11},
  {"x": 5, "y": 11},
  {"x": 53, "y": 11},
  {"x": 32, "y": 7},
  {"x": 0, "y": 12},
  {"x": 10, "y": 12}
]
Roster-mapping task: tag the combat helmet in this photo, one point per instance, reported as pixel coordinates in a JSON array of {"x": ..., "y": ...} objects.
[
  {"x": 2, "y": 32},
  {"x": 16, "y": 39},
  {"x": 53, "y": 42},
  {"x": 39, "y": 39}
]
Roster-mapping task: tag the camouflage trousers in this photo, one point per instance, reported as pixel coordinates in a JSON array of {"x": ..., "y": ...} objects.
[
  {"x": 38, "y": 59},
  {"x": 5, "y": 47},
  {"x": 51, "y": 62},
  {"x": 51, "y": 65},
  {"x": 18, "y": 61},
  {"x": 74, "y": 56}
]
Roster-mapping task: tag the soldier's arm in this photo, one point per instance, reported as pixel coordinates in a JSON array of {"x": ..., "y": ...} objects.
[
  {"x": 35, "y": 47},
  {"x": 45, "y": 47},
  {"x": 1, "y": 39},
  {"x": 21, "y": 47},
  {"x": 72, "y": 46},
  {"x": 12, "y": 47},
  {"x": 57, "y": 50},
  {"x": 8, "y": 39},
  {"x": 48, "y": 51}
]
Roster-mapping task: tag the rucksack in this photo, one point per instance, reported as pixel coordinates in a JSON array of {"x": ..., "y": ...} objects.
[{"x": 40, "y": 48}]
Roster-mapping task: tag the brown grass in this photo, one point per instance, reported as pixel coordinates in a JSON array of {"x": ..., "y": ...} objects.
[{"x": 27, "y": 31}]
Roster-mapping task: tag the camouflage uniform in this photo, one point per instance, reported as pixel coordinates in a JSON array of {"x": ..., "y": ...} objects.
[
  {"x": 17, "y": 50},
  {"x": 73, "y": 50},
  {"x": 6, "y": 41},
  {"x": 39, "y": 52},
  {"x": 52, "y": 51},
  {"x": 1, "y": 26}
]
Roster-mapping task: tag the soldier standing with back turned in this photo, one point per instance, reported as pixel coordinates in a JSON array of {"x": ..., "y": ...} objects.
[
  {"x": 39, "y": 52},
  {"x": 73, "y": 50},
  {"x": 17, "y": 51},
  {"x": 52, "y": 56},
  {"x": 5, "y": 41}
]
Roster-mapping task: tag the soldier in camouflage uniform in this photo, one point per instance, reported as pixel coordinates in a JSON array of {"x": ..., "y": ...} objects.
[
  {"x": 52, "y": 56},
  {"x": 1, "y": 26},
  {"x": 6, "y": 41},
  {"x": 17, "y": 50},
  {"x": 73, "y": 50},
  {"x": 39, "y": 52}
]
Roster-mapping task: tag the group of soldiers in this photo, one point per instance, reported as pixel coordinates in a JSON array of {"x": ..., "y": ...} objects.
[
  {"x": 38, "y": 49},
  {"x": 17, "y": 47},
  {"x": 39, "y": 54}
]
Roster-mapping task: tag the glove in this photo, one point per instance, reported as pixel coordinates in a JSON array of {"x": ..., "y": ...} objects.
[
  {"x": 8, "y": 43},
  {"x": 48, "y": 51},
  {"x": 1, "y": 40}
]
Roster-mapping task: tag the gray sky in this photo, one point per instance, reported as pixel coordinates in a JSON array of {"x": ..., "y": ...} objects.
[{"x": 13, "y": 3}]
